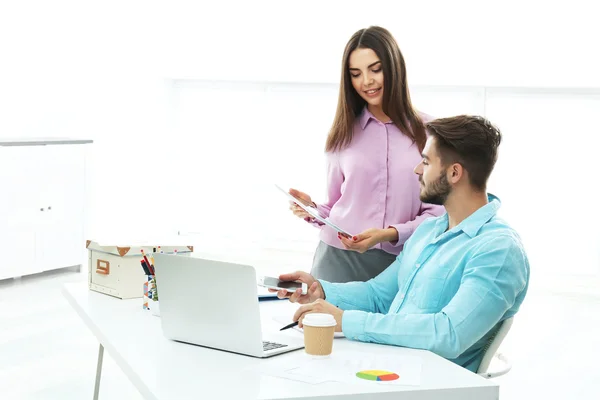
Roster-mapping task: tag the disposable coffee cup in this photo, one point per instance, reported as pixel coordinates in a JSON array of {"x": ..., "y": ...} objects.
[{"x": 318, "y": 334}]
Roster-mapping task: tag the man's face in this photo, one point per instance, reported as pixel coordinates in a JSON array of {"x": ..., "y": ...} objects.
[{"x": 435, "y": 187}]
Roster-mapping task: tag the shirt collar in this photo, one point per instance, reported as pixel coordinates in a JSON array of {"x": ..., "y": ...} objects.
[
  {"x": 365, "y": 117},
  {"x": 474, "y": 222}
]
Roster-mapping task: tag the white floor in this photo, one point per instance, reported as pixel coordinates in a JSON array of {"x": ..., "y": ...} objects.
[{"x": 46, "y": 352}]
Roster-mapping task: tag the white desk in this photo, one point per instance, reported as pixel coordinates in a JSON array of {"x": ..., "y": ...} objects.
[{"x": 162, "y": 369}]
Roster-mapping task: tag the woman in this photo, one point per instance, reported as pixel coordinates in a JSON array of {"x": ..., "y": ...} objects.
[{"x": 372, "y": 148}]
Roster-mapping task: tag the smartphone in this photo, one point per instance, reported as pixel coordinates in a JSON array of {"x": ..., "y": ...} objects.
[{"x": 274, "y": 283}]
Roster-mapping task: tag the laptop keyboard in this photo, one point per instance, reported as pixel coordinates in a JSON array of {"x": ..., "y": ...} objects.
[{"x": 271, "y": 345}]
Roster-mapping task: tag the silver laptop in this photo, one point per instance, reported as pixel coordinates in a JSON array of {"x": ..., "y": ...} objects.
[{"x": 214, "y": 304}]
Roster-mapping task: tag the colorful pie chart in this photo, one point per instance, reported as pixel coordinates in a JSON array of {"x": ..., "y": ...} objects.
[{"x": 377, "y": 375}]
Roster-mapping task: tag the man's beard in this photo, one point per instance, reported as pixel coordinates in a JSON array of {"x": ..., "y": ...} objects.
[{"x": 436, "y": 192}]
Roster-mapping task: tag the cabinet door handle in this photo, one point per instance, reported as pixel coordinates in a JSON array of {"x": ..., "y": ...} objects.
[
  {"x": 49, "y": 208},
  {"x": 102, "y": 267},
  {"x": 41, "y": 209}
]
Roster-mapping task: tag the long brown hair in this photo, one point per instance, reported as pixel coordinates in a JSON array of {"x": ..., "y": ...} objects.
[{"x": 396, "y": 102}]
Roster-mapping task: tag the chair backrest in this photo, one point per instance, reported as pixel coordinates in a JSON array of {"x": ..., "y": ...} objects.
[{"x": 493, "y": 344}]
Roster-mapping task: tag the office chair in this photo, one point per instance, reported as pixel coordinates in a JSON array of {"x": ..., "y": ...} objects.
[{"x": 490, "y": 352}]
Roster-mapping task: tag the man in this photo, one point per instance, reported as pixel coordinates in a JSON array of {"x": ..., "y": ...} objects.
[{"x": 458, "y": 276}]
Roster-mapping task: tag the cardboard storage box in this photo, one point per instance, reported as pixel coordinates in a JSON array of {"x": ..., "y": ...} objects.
[{"x": 116, "y": 270}]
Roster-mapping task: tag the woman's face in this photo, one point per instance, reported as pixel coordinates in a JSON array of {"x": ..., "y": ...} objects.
[{"x": 366, "y": 74}]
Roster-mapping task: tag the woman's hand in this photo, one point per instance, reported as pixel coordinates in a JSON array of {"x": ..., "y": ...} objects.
[
  {"x": 306, "y": 200},
  {"x": 369, "y": 238}
]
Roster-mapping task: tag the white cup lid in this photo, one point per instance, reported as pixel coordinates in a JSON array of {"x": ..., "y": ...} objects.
[{"x": 319, "y": 320}]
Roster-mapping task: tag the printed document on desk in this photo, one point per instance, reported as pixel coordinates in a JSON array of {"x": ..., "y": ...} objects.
[{"x": 353, "y": 367}]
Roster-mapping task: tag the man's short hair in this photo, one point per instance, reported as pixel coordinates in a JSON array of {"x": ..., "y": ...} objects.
[{"x": 471, "y": 141}]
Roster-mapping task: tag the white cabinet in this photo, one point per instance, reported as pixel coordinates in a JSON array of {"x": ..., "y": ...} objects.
[{"x": 42, "y": 199}]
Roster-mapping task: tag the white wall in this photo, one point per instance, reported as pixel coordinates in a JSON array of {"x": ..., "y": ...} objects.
[
  {"x": 86, "y": 70},
  {"x": 153, "y": 83},
  {"x": 461, "y": 42},
  {"x": 543, "y": 176},
  {"x": 546, "y": 174}
]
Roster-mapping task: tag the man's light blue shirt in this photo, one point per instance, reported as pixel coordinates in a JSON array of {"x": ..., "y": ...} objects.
[{"x": 446, "y": 292}]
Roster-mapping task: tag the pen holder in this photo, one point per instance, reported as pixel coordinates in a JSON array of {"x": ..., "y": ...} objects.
[{"x": 149, "y": 292}]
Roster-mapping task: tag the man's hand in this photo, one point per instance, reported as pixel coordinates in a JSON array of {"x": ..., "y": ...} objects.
[
  {"x": 320, "y": 306},
  {"x": 315, "y": 290},
  {"x": 369, "y": 238}
]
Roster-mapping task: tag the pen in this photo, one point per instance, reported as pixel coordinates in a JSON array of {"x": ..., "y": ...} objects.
[
  {"x": 144, "y": 267},
  {"x": 150, "y": 268},
  {"x": 289, "y": 326}
]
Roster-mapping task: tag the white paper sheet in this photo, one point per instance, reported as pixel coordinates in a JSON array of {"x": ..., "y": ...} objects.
[
  {"x": 279, "y": 371},
  {"x": 343, "y": 366}
]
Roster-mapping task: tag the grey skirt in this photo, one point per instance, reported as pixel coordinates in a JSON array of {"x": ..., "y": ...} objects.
[{"x": 336, "y": 265}]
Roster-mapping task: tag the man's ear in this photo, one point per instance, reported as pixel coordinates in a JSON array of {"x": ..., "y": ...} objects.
[{"x": 456, "y": 172}]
